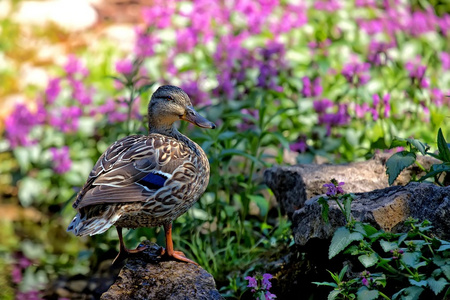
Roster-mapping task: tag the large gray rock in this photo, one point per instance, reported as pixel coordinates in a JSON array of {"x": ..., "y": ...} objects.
[
  {"x": 386, "y": 209},
  {"x": 293, "y": 185},
  {"x": 147, "y": 276}
]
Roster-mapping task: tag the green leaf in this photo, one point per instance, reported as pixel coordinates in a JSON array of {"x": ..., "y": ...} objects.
[
  {"x": 419, "y": 145},
  {"x": 231, "y": 152},
  {"x": 365, "y": 294},
  {"x": 446, "y": 270},
  {"x": 325, "y": 208},
  {"x": 368, "y": 260},
  {"x": 348, "y": 208},
  {"x": 342, "y": 273},
  {"x": 437, "y": 285},
  {"x": 444, "y": 246},
  {"x": 397, "y": 142},
  {"x": 332, "y": 284},
  {"x": 388, "y": 246},
  {"x": 444, "y": 151},
  {"x": 436, "y": 169},
  {"x": 342, "y": 238},
  {"x": 418, "y": 283},
  {"x": 333, "y": 295},
  {"x": 409, "y": 293},
  {"x": 397, "y": 162},
  {"x": 411, "y": 258}
]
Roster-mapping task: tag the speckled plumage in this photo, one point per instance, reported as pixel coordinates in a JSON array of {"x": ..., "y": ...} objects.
[{"x": 146, "y": 181}]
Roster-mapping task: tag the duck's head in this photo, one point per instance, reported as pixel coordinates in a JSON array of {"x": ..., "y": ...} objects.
[{"x": 169, "y": 104}]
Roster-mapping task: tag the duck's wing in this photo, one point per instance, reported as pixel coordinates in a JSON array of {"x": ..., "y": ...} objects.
[{"x": 135, "y": 168}]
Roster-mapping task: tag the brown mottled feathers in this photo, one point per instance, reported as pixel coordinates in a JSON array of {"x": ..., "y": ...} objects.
[{"x": 114, "y": 179}]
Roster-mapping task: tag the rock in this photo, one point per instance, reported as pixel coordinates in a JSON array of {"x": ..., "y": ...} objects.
[
  {"x": 386, "y": 209},
  {"x": 147, "y": 276},
  {"x": 293, "y": 185}
]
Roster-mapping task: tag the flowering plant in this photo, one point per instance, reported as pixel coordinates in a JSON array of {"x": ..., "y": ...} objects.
[{"x": 260, "y": 286}]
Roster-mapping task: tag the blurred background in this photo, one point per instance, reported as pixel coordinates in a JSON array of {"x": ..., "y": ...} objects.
[{"x": 285, "y": 81}]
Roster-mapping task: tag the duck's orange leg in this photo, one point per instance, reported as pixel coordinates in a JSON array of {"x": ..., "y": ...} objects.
[
  {"x": 123, "y": 251},
  {"x": 178, "y": 255}
]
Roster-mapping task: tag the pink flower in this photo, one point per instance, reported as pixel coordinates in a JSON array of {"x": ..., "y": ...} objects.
[
  {"x": 356, "y": 73},
  {"x": 53, "y": 89},
  {"x": 74, "y": 67},
  {"x": 124, "y": 66}
]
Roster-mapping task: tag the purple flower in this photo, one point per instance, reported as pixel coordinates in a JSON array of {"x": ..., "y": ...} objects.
[
  {"x": 266, "y": 284},
  {"x": 159, "y": 14},
  {"x": 365, "y": 282},
  {"x": 417, "y": 72},
  {"x": 421, "y": 22},
  {"x": 445, "y": 60},
  {"x": 198, "y": 96},
  {"x": 356, "y": 73},
  {"x": 366, "y": 3},
  {"x": 66, "y": 118},
  {"x": 252, "y": 283},
  {"x": 294, "y": 16},
  {"x": 80, "y": 92},
  {"x": 144, "y": 43},
  {"x": 61, "y": 159},
  {"x": 327, "y": 5},
  {"x": 53, "y": 89},
  {"x": 16, "y": 274},
  {"x": 334, "y": 188},
  {"x": 30, "y": 295},
  {"x": 397, "y": 253},
  {"x": 269, "y": 295},
  {"x": 341, "y": 117},
  {"x": 321, "y": 106},
  {"x": 74, "y": 67},
  {"x": 19, "y": 124},
  {"x": 444, "y": 23},
  {"x": 361, "y": 110},
  {"x": 313, "y": 90},
  {"x": 186, "y": 39},
  {"x": 437, "y": 97},
  {"x": 300, "y": 145},
  {"x": 378, "y": 52},
  {"x": 124, "y": 66}
]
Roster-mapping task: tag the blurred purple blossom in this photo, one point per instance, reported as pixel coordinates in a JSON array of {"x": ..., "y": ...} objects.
[
  {"x": 81, "y": 93},
  {"x": 159, "y": 14},
  {"x": 327, "y": 5},
  {"x": 144, "y": 43},
  {"x": 270, "y": 65},
  {"x": 186, "y": 39},
  {"x": 75, "y": 68},
  {"x": 378, "y": 52},
  {"x": 365, "y": 3},
  {"x": 444, "y": 23},
  {"x": 321, "y": 46},
  {"x": 356, "y": 73},
  {"x": 255, "y": 12},
  {"x": 198, "y": 96},
  {"x": 340, "y": 118},
  {"x": 61, "y": 159},
  {"x": 377, "y": 106},
  {"x": 321, "y": 106},
  {"x": 249, "y": 119},
  {"x": 445, "y": 60},
  {"x": 361, "y": 110},
  {"x": 19, "y": 124},
  {"x": 29, "y": 295},
  {"x": 300, "y": 145},
  {"x": 421, "y": 22},
  {"x": 311, "y": 90},
  {"x": 417, "y": 72},
  {"x": 438, "y": 97},
  {"x": 294, "y": 16},
  {"x": 124, "y": 66},
  {"x": 53, "y": 89},
  {"x": 66, "y": 118}
]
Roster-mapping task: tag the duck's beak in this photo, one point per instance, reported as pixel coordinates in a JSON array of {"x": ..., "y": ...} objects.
[{"x": 195, "y": 118}]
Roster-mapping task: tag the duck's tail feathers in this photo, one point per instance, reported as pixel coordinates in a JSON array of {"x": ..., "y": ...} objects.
[{"x": 82, "y": 226}]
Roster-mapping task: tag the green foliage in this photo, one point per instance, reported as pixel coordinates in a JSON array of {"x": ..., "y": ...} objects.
[
  {"x": 413, "y": 262},
  {"x": 401, "y": 160}
]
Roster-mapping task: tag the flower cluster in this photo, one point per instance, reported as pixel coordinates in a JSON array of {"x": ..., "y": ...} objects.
[
  {"x": 260, "y": 286},
  {"x": 334, "y": 188}
]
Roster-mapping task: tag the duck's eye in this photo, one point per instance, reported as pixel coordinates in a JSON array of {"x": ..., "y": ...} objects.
[{"x": 169, "y": 98}]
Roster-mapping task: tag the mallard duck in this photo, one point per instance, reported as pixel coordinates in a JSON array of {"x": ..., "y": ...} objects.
[{"x": 146, "y": 180}]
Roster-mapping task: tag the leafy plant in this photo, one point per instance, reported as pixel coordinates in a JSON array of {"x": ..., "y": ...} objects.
[
  {"x": 409, "y": 263},
  {"x": 403, "y": 159}
]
